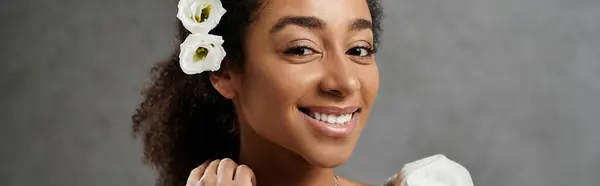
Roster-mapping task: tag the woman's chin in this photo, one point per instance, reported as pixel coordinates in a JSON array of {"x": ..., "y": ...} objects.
[{"x": 328, "y": 160}]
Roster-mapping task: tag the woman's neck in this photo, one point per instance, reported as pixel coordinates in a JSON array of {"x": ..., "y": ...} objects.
[{"x": 274, "y": 165}]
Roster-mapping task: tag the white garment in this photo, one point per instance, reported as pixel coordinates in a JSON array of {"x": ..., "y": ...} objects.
[{"x": 436, "y": 170}]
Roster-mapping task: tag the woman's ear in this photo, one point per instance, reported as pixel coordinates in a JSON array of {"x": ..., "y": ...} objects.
[{"x": 222, "y": 81}]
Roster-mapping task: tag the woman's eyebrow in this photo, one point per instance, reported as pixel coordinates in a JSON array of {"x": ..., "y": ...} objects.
[
  {"x": 302, "y": 21},
  {"x": 360, "y": 24},
  {"x": 316, "y": 23}
]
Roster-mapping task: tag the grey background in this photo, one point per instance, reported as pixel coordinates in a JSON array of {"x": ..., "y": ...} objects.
[{"x": 508, "y": 88}]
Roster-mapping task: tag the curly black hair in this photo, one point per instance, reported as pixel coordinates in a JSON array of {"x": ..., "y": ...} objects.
[{"x": 182, "y": 119}]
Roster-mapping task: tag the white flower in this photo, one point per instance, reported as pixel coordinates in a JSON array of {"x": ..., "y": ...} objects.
[
  {"x": 201, "y": 52},
  {"x": 435, "y": 170},
  {"x": 200, "y": 16}
]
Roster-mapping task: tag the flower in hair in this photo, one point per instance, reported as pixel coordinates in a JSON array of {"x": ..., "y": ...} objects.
[
  {"x": 200, "y": 16},
  {"x": 201, "y": 52}
]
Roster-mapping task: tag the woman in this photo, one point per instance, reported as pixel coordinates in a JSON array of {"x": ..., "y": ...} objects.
[{"x": 274, "y": 92}]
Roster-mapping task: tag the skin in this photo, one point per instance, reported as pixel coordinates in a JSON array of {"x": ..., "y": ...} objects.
[{"x": 292, "y": 64}]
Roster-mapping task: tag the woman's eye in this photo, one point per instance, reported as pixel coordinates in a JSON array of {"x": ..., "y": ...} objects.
[
  {"x": 360, "y": 51},
  {"x": 299, "y": 51}
]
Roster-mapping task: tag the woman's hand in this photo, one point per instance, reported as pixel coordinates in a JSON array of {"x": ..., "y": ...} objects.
[{"x": 221, "y": 173}]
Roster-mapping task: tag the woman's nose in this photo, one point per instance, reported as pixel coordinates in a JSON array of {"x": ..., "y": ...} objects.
[{"x": 340, "y": 79}]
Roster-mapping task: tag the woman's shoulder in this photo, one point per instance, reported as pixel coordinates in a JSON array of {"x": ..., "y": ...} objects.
[{"x": 434, "y": 170}]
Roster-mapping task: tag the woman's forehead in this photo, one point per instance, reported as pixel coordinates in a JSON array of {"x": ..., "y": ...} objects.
[
  {"x": 326, "y": 10},
  {"x": 332, "y": 15}
]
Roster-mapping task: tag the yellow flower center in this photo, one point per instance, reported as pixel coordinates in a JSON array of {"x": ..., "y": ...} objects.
[
  {"x": 203, "y": 14},
  {"x": 200, "y": 54}
]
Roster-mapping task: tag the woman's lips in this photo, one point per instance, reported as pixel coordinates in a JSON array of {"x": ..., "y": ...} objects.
[
  {"x": 331, "y": 110},
  {"x": 332, "y": 121}
]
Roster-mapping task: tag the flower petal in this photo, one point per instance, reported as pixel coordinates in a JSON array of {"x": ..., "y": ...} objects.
[
  {"x": 200, "y": 16},
  {"x": 210, "y": 49}
]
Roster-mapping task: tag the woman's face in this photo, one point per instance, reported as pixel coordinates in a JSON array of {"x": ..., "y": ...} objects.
[{"x": 310, "y": 78}]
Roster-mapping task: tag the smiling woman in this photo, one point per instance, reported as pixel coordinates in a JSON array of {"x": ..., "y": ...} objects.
[{"x": 288, "y": 101}]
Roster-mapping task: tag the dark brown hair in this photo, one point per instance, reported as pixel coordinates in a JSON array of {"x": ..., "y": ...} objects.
[{"x": 183, "y": 120}]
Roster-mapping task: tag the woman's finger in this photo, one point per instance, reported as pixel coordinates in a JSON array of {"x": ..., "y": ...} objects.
[
  {"x": 244, "y": 176},
  {"x": 212, "y": 167},
  {"x": 196, "y": 173},
  {"x": 209, "y": 178},
  {"x": 225, "y": 171}
]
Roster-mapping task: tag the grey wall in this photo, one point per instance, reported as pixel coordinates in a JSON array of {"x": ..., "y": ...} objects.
[{"x": 508, "y": 88}]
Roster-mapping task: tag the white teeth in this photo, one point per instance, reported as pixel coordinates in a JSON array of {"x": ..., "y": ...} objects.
[
  {"x": 332, "y": 119},
  {"x": 340, "y": 120}
]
